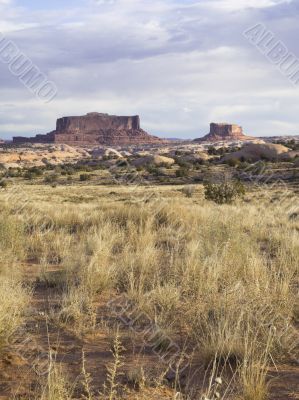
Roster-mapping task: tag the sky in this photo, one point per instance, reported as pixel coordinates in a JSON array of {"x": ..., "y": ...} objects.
[{"x": 179, "y": 64}]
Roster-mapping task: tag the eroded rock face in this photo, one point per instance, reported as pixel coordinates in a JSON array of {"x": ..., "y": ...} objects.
[
  {"x": 94, "y": 122},
  {"x": 223, "y": 131},
  {"x": 95, "y": 128},
  {"x": 255, "y": 152}
]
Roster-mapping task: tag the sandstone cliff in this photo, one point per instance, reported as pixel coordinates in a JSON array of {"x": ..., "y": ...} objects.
[
  {"x": 95, "y": 128},
  {"x": 224, "y": 132}
]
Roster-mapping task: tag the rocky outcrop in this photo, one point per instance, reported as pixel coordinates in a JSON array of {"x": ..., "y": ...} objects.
[
  {"x": 36, "y": 155},
  {"x": 224, "y": 132},
  {"x": 154, "y": 160},
  {"x": 254, "y": 152},
  {"x": 95, "y": 128}
]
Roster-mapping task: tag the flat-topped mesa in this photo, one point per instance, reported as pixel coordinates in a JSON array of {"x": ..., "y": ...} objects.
[
  {"x": 224, "y": 132},
  {"x": 93, "y": 122},
  {"x": 95, "y": 128}
]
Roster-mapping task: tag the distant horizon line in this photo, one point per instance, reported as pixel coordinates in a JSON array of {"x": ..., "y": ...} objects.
[{"x": 178, "y": 138}]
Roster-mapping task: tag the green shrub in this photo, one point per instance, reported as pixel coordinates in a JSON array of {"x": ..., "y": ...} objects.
[
  {"x": 212, "y": 151},
  {"x": 181, "y": 172},
  {"x": 32, "y": 173},
  {"x": 153, "y": 170},
  {"x": 85, "y": 177},
  {"x": 38, "y": 171},
  {"x": 29, "y": 175},
  {"x": 183, "y": 164},
  {"x": 244, "y": 165},
  {"x": 13, "y": 172},
  {"x": 233, "y": 162},
  {"x": 3, "y": 183},
  {"x": 51, "y": 178},
  {"x": 70, "y": 171},
  {"x": 259, "y": 168},
  {"x": 224, "y": 193}
]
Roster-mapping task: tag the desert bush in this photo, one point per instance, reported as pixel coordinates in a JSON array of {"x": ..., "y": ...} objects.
[
  {"x": 183, "y": 164},
  {"x": 70, "y": 170},
  {"x": 3, "y": 183},
  {"x": 51, "y": 178},
  {"x": 233, "y": 162},
  {"x": 33, "y": 172},
  {"x": 81, "y": 166},
  {"x": 212, "y": 151},
  {"x": 182, "y": 172},
  {"x": 153, "y": 170},
  {"x": 37, "y": 171},
  {"x": 85, "y": 177},
  {"x": 29, "y": 175},
  {"x": 244, "y": 165},
  {"x": 224, "y": 193},
  {"x": 13, "y": 172}
]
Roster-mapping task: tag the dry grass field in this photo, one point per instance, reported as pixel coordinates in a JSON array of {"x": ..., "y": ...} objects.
[{"x": 145, "y": 293}]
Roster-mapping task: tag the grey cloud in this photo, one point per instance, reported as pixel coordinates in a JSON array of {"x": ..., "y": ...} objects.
[{"x": 158, "y": 59}]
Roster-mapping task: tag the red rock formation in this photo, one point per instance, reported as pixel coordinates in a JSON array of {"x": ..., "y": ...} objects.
[
  {"x": 95, "y": 128},
  {"x": 224, "y": 132}
]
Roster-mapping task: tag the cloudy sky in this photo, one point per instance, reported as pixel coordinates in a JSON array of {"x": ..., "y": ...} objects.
[{"x": 179, "y": 64}]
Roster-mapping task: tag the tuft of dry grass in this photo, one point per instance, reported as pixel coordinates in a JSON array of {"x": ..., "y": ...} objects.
[
  {"x": 14, "y": 295},
  {"x": 254, "y": 369},
  {"x": 14, "y": 301},
  {"x": 57, "y": 386}
]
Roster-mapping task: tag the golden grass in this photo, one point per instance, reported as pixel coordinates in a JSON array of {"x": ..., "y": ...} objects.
[
  {"x": 14, "y": 296},
  {"x": 214, "y": 277}
]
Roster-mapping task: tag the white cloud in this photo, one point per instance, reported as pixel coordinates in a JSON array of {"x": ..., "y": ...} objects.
[
  {"x": 179, "y": 65},
  {"x": 232, "y": 5}
]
